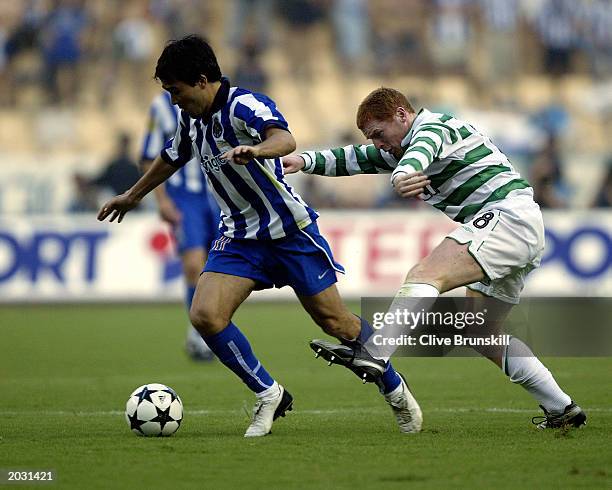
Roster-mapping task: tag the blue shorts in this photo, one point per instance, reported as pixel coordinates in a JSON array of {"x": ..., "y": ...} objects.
[
  {"x": 302, "y": 260},
  {"x": 199, "y": 225}
]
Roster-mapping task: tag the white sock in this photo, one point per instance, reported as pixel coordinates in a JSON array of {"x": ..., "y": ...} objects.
[
  {"x": 402, "y": 301},
  {"x": 271, "y": 392},
  {"x": 417, "y": 290},
  {"x": 525, "y": 369}
]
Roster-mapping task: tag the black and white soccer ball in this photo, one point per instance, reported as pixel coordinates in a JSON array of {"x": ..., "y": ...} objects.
[{"x": 154, "y": 409}]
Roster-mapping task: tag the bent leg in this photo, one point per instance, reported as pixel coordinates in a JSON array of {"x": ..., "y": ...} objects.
[
  {"x": 193, "y": 260},
  {"x": 216, "y": 299},
  {"x": 493, "y": 353},
  {"x": 331, "y": 314},
  {"x": 522, "y": 367},
  {"x": 447, "y": 267}
]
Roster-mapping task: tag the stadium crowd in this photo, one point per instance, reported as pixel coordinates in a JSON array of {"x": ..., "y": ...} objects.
[{"x": 537, "y": 72}]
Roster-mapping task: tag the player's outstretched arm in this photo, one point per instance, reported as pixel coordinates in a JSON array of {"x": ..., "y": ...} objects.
[
  {"x": 121, "y": 204},
  {"x": 277, "y": 143},
  {"x": 348, "y": 160},
  {"x": 166, "y": 208}
]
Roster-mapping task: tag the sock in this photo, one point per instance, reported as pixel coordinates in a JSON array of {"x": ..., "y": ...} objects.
[
  {"x": 233, "y": 349},
  {"x": 417, "y": 290},
  {"x": 525, "y": 369},
  {"x": 403, "y": 301},
  {"x": 390, "y": 379}
]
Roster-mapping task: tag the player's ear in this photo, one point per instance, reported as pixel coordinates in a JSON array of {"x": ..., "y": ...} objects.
[
  {"x": 401, "y": 114},
  {"x": 202, "y": 81}
]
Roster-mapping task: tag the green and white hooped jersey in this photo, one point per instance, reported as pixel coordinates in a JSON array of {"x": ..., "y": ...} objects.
[{"x": 467, "y": 171}]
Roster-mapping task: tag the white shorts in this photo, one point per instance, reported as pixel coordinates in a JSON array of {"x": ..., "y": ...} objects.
[{"x": 506, "y": 238}]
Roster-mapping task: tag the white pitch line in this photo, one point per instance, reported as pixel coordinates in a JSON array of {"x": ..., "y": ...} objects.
[{"x": 296, "y": 411}]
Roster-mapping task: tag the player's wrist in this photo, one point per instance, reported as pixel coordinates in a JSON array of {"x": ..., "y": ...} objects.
[
  {"x": 396, "y": 173},
  {"x": 132, "y": 197},
  {"x": 309, "y": 161}
]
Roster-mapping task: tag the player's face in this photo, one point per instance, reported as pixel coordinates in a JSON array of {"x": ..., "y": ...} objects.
[
  {"x": 388, "y": 134},
  {"x": 191, "y": 99}
]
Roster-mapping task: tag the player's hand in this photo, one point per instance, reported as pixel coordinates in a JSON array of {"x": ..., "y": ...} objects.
[
  {"x": 410, "y": 185},
  {"x": 293, "y": 164},
  {"x": 169, "y": 212},
  {"x": 117, "y": 207},
  {"x": 241, "y": 155}
]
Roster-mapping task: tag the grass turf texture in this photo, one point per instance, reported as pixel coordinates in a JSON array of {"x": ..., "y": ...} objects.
[{"x": 66, "y": 372}]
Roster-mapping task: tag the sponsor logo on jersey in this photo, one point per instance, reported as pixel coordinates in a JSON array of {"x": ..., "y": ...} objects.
[{"x": 211, "y": 163}]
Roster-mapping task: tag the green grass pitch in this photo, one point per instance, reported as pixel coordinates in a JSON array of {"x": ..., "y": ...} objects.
[{"x": 66, "y": 372}]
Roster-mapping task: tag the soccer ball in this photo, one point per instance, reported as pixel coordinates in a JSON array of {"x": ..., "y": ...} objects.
[{"x": 154, "y": 409}]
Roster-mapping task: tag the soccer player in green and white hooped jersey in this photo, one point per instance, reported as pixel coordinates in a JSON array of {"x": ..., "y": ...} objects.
[{"x": 458, "y": 170}]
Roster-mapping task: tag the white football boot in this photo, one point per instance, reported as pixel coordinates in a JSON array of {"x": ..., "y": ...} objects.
[
  {"x": 267, "y": 410},
  {"x": 405, "y": 408}
]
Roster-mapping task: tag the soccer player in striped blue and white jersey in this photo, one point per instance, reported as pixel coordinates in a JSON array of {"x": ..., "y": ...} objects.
[
  {"x": 185, "y": 203},
  {"x": 457, "y": 169},
  {"x": 269, "y": 237}
]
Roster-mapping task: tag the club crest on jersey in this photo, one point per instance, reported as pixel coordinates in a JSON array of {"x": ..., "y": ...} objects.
[
  {"x": 217, "y": 129},
  {"x": 211, "y": 163}
]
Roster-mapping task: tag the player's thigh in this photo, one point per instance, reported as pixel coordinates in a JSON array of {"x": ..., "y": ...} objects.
[
  {"x": 447, "y": 267},
  {"x": 216, "y": 298},
  {"x": 193, "y": 260},
  {"x": 329, "y": 312}
]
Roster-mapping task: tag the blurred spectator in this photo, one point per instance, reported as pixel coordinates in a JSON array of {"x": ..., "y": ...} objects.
[
  {"x": 450, "y": 32},
  {"x": 549, "y": 187},
  {"x": 4, "y": 96},
  {"x": 249, "y": 70},
  {"x": 597, "y": 36},
  {"x": 603, "y": 198},
  {"x": 21, "y": 49},
  {"x": 304, "y": 20},
  {"x": 61, "y": 41},
  {"x": 556, "y": 27},
  {"x": 352, "y": 31},
  {"x": 134, "y": 42},
  {"x": 118, "y": 175},
  {"x": 398, "y": 36},
  {"x": 249, "y": 23},
  {"x": 552, "y": 118},
  {"x": 182, "y": 17},
  {"x": 500, "y": 23},
  {"x": 26, "y": 30}
]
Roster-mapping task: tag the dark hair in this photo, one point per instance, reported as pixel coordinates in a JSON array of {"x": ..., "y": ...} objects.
[{"x": 186, "y": 60}]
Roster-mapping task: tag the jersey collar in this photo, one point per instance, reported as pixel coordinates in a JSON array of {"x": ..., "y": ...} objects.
[
  {"x": 220, "y": 99},
  {"x": 422, "y": 114}
]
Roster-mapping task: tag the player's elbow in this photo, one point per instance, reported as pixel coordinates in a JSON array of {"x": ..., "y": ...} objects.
[{"x": 290, "y": 143}]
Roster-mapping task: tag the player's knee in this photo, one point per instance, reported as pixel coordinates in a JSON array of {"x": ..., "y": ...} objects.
[
  {"x": 421, "y": 273},
  {"x": 206, "y": 320}
]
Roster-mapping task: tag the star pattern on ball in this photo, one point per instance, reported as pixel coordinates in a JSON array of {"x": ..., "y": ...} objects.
[
  {"x": 163, "y": 417},
  {"x": 135, "y": 423},
  {"x": 145, "y": 394}
]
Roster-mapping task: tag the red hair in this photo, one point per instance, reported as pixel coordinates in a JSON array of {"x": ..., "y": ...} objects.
[{"x": 381, "y": 104}]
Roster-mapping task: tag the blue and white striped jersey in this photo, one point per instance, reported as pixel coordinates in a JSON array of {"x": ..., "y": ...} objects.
[
  {"x": 161, "y": 128},
  {"x": 255, "y": 200}
]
